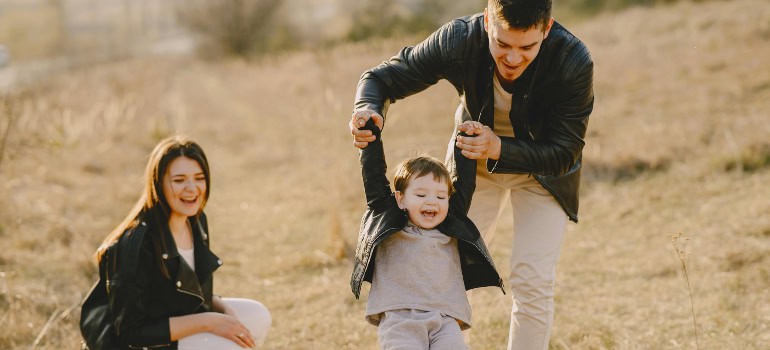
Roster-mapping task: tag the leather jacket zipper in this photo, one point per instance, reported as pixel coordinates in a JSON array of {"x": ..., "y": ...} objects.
[
  {"x": 487, "y": 92},
  {"x": 193, "y": 294}
]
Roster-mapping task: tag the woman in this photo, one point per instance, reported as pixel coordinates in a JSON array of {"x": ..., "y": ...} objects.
[{"x": 159, "y": 283}]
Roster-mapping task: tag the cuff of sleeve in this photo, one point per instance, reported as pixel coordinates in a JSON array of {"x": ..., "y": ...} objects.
[
  {"x": 509, "y": 151},
  {"x": 159, "y": 332}
]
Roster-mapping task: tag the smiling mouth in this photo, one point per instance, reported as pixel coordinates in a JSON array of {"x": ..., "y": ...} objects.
[
  {"x": 509, "y": 67},
  {"x": 430, "y": 214},
  {"x": 189, "y": 201}
]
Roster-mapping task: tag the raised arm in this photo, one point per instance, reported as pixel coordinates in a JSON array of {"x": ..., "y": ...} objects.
[
  {"x": 374, "y": 167},
  {"x": 413, "y": 70},
  {"x": 463, "y": 172}
]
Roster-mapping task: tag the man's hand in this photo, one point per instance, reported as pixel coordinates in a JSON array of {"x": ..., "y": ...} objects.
[
  {"x": 484, "y": 145},
  {"x": 361, "y": 138}
]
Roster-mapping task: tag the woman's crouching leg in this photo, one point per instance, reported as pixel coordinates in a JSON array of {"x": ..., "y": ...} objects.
[{"x": 253, "y": 315}]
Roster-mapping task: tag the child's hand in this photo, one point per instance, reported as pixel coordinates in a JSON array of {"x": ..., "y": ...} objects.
[
  {"x": 361, "y": 138},
  {"x": 470, "y": 127},
  {"x": 480, "y": 142}
]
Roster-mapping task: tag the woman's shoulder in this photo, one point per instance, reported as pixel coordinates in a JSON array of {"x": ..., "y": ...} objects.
[
  {"x": 135, "y": 236},
  {"x": 134, "y": 247}
]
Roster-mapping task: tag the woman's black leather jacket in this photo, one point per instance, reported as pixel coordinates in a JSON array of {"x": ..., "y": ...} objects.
[
  {"x": 141, "y": 299},
  {"x": 383, "y": 217},
  {"x": 551, "y": 102}
]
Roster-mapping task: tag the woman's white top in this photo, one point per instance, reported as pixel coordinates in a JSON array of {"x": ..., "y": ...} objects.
[{"x": 189, "y": 256}]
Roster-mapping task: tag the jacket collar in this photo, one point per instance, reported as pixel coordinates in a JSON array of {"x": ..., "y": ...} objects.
[{"x": 206, "y": 262}]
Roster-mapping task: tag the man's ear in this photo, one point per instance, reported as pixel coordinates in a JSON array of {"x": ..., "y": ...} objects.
[
  {"x": 547, "y": 28},
  {"x": 400, "y": 199},
  {"x": 486, "y": 20}
]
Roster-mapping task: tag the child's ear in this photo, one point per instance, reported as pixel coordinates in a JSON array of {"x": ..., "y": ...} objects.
[{"x": 400, "y": 199}]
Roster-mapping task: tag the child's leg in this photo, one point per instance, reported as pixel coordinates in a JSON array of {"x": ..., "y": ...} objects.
[
  {"x": 405, "y": 329},
  {"x": 251, "y": 313},
  {"x": 448, "y": 336}
]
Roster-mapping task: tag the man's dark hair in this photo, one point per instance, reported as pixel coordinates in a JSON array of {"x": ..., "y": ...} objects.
[{"x": 521, "y": 14}]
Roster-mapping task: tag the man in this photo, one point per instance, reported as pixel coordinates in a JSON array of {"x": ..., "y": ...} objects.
[{"x": 529, "y": 81}]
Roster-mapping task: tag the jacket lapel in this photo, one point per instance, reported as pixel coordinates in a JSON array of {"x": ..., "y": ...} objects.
[
  {"x": 187, "y": 280},
  {"x": 206, "y": 262}
]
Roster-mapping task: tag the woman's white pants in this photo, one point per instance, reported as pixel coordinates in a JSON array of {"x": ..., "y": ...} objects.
[{"x": 252, "y": 314}]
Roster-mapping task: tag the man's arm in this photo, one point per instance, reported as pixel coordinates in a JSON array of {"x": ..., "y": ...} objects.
[
  {"x": 566, "y": 122},
  {"x": 414, "y": 69}
]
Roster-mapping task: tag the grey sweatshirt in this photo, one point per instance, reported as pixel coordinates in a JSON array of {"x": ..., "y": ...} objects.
[{"x": 418, "y": 269}]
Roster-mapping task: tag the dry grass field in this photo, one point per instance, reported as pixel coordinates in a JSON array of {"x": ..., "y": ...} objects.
[{"x": 678, "y": 142}]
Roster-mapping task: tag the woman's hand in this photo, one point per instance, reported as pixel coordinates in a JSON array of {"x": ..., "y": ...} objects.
[{"x": 227, "y": 326}]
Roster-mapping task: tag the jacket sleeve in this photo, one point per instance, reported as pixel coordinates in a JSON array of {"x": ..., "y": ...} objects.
[
  {"x": 130, "y": 292},
  {"x": 414, "y": 69},
  {"x": 566, "y": 121},
  {"x": 463, "y": 173},
  {"x": 374, "y": 168}
]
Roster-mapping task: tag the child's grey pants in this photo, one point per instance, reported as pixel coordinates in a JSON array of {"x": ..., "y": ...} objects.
[{"x": 409, "y": 329}]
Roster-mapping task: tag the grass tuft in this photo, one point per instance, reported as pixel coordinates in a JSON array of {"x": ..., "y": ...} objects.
[
  {"x": 753, "y": 158},
  {"x": 680, "y": 243}
]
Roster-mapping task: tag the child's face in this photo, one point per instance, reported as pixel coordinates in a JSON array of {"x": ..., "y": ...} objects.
[{"x": 426, "y": 201}]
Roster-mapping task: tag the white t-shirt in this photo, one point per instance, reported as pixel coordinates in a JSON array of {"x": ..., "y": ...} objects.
[
  {"x": 503, "y": 125},
  {"x": 189, "y": 256}
]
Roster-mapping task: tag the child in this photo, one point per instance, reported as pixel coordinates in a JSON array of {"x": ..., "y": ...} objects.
[{"x": 428, "y": 253}]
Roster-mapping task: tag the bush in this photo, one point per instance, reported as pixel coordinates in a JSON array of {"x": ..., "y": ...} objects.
[
  {"x": 237, "y": 27},
  {"x": 387, "y": 18}
]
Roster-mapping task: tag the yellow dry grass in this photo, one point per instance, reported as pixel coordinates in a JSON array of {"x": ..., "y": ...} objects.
[{"x": 682, "y": 102}]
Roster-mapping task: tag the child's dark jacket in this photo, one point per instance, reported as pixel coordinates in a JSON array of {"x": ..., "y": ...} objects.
[{"x": 383, "y": 217}]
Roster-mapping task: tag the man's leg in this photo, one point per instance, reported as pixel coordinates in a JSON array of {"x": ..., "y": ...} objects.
[
  {"x": 488, "y": 202},
  {"x": 539, "y": 225}
]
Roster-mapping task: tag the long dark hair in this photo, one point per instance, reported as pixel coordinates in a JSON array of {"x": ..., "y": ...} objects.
[{"x": 152, "y": 205}]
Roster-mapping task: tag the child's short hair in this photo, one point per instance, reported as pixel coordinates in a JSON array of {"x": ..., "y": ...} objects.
[{"x": 421, "y": 166}]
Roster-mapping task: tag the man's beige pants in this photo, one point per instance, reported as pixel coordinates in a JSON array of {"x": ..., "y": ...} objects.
[{"x": 539, "y": 223}]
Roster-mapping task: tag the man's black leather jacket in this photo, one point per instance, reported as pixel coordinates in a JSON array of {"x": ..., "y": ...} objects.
[
  {"x": 383, "y": 217},
  {"x": 551, "y": 102},
  {"x": 141, "y": 299}
]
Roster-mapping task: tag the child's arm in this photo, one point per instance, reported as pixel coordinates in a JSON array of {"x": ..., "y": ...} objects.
[
  {"x": 374, "y": 167},
  {"x": 464, "y": 172}
]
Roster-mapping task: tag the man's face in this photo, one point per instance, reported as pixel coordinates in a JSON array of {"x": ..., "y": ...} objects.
[{"x": 513, "y": 49}]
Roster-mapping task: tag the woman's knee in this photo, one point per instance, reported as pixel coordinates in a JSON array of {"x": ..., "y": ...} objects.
[{"x": 251, "y": 313}]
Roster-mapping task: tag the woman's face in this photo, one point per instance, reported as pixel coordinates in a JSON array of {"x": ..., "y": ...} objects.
[{"x": 184, "y": 186}]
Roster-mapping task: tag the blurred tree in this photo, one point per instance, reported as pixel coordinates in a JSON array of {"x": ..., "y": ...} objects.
[
  {"x": 386, "y": 18},
  {"x": 237, "y": 27}
]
